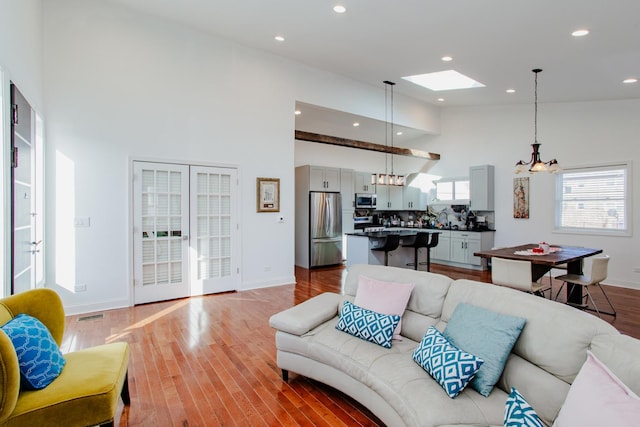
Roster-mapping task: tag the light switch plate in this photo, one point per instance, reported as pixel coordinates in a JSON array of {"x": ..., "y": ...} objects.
[{"x": 82, "y": 221}]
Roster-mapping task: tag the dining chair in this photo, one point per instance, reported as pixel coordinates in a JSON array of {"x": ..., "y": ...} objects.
[
  {"x": 516, "y": 274},
  {"x": 564, "y": 267},
  {"x": 596, "y": 273}
]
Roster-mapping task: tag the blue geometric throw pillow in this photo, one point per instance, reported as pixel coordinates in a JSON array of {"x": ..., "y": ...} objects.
[
  {"x": 518, "y": 413},
  {"x": 38, "y": 354},
  {"x": 367, "y": 325},
  {"x": 451, "y": 367}
]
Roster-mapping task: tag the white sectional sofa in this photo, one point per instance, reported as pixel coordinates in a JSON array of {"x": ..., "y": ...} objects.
[{"x": 542, "y": 365}]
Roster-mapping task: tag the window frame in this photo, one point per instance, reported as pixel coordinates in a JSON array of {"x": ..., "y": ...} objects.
[
  {"x": 454, "y": 182},
  {"x": 627, "y": 166}
]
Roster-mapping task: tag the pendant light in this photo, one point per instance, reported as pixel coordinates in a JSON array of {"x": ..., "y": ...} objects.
[
  {"x": 535, "y": 163},
  {"x": 386, "y": 178}
]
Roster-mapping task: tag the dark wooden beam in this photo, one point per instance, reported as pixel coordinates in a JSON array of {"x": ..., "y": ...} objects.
[{"x": 362, "y": 145}]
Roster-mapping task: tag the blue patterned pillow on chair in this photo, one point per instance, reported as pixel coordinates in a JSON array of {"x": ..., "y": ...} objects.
[
  {"x": 451, "y": 367},
  {"x": 518, "y": 413},
  {"x": 366, "y": 324},
  {"x": 39, "y": 356}
]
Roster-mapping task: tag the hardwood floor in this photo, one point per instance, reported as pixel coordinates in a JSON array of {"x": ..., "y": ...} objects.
[{"x": 210, "y": 361}]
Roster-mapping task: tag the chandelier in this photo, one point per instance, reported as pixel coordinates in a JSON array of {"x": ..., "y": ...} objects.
[
  {"x": 535, "y": 163},
  {"x": 387, "y": 178}
]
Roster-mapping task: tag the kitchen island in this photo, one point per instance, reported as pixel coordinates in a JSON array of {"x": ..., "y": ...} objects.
[
  {"x": 453, "y": 247},
  {"x": 361, "y": 243}
]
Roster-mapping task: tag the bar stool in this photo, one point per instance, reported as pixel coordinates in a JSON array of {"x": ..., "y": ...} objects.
[
  {"x": 391, "y": 243},
  {"x": 432, "y": 244},
  {"x": 421, "y": 241}
]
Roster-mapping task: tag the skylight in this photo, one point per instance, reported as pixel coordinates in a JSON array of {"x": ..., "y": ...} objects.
[{"x": 444, "y": 80}]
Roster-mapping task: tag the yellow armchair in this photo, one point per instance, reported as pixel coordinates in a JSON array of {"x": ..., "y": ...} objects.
[{"x": 87, "y": 391}]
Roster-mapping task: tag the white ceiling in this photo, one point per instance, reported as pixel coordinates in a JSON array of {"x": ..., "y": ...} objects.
[{"x": 496, "y": 42}]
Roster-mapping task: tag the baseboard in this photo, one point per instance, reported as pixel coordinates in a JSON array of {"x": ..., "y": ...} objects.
[
  {"x": 91, "y": 308},
  {"x": 622, "y": 284},
  {"x": 257, "y": 284}
]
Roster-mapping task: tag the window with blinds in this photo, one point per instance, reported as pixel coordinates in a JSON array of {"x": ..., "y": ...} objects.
[{"x": 594, "y": 199}]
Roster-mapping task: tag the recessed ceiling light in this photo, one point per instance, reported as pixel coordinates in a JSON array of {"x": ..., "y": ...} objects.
[
  {"x": 630, "y": 80},
  {"x": 279, "y": 38},
  {"x": 444, "y": 80},
  {"x": 580, "y": 33},
  {"x": 447, "y": 58},
  {"x": 399, "y": 133},
  {"x": 356, "y": 124},
  {"x": 511, "y": 91},
  {"x": 298, "y": 112},
  {"x": 339, "y": 9},
  {"x": 441, "y": 99}
]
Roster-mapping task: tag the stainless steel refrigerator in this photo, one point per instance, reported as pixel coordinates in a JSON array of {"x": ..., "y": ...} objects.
[{"x": 325, "y": 222}]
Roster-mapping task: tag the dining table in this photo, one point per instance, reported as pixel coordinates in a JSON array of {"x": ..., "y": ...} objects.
[{"x": 541, "y": 263}]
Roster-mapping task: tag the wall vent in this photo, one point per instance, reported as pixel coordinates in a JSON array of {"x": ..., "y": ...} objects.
[{"x": 92, "y": 317}]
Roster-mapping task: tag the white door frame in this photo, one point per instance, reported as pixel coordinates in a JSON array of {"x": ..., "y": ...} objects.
[
  {"x": 26, "y": 239},
  {"x": 130, "y": 189}
]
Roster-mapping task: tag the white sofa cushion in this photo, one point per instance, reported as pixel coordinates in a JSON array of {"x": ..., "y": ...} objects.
[
  {"x": 394, "y": 375},
  {"x": 426, "y": 300}
]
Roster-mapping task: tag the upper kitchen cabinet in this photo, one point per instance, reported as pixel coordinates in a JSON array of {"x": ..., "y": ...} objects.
[
  {"x": 347, "y": 190},
  {"x": 411, "y": 198},
  {"x": 363, "y": 183},
  {"x": 389, "y": 197},
  {"x": 323, "y": 178},
  {"x": 481, "y": 192}
]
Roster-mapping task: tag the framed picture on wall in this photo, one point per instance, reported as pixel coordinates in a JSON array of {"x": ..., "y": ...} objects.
[
  {"x": 268, "y": 194},
  {"x": 521, "y": 198}
]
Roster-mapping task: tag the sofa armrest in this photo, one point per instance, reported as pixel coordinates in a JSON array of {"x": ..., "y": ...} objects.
[{"x": 300, "y": 319}]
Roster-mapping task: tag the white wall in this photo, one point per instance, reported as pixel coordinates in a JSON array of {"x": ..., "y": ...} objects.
[
  {"x": 119, "y": 86},
  {"x": 20, "y": 62},
  {"x": 574, "y": 133},
  {"x": 122, "y": 85},
  {"x": 21, "y": 46}
]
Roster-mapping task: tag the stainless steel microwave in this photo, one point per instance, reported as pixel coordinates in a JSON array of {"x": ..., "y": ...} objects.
[{"x": 365, "y": 200}]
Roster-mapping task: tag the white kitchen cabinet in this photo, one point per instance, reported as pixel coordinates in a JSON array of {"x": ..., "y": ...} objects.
[
  {"x": 363, "y": 183},
  {"x": 389, "y": 197},
  {"x": 464, "y": 244},
  {"x": 347, "y": 189},
  {"x": 323, "y": 178},
  {"x": 442, "y": 252},
  {"x": 481, "y": 188},
  {"x": 458, "y": 249},
  {"x": 411, "y": 198}
]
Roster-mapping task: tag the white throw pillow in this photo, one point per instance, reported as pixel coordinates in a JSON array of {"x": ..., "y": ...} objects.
[
  {"x": 598, "y": 398},
  {"x": 383, "y": 297}
]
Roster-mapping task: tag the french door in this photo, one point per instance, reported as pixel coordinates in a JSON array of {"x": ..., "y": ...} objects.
[
  {"x": 26, "y": 197},
  {"x": 213, "y": 221},
  {"x": 185, "y": 231}
]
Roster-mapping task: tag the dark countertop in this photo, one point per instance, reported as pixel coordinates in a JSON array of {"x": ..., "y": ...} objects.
[
  {"x": 470, "y": 231},
  {"x": 409, "y": 231},
  {"x": 380, "y": 234}
]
